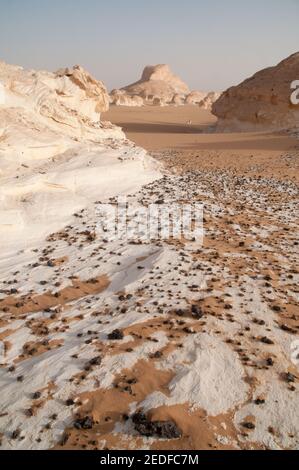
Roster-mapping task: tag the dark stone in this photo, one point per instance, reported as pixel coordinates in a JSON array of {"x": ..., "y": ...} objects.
[
  {"x": 288, "y": 377},
  {"x": 259, "y": 401},
  {"x": 84, "y": 423},
  {"x": 180, "y": 312},
  {"x": 288, "y": 329},
  {"x": 159, "y": 429},
  {"x": 15, "y": 434},
  {"x": 36, "y": 396},
  {"x": 270, "y": 362},
  {"x": 248, "y": 425},
  {"x": 196, "y": 312},
  {"x": 188, "y": 331},
  {"x": 156, "y": 355},
  {"x": 116, "y": 335},
  {"x": 228, "y": 307},
  {"x": 266, "y": 340},
  {"x": 70, "y": 402},
  {"x": 96, "y": 361}
]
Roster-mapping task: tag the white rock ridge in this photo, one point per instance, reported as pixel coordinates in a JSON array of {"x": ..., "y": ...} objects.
[
  {"x": 56, "y": 156},
  {"x": 262, "y": 100}
]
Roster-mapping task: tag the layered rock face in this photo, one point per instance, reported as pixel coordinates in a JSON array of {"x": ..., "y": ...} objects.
[
  {"x": 45, "y": 113},
  {"x": 94, "y": 89},
  {"x": 68, "y": 102},
  {"x": 262, "y": 100}
]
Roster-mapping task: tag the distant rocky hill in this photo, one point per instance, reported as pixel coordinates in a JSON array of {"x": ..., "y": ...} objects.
[
  {"x": 158, "y": 81},
  {"x": 158, "y": 86},
  {"x": 263, "y": 99}
]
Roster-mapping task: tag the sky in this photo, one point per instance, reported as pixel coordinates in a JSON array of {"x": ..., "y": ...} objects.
[{"x": 210, "y": 44}]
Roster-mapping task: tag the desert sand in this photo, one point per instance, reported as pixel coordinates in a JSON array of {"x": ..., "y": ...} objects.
[
  {"x": 145, "y": 344},
  {"x": 190, "y": 134}
]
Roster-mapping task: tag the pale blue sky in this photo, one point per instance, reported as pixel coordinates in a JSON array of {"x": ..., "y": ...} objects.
[{"x": 211, "y": 44}]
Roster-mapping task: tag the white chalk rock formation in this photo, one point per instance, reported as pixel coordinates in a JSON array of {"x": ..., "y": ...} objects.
[
  {"x": 67, "y": 103},
  {"x": 158, "y": 82},
  {"x": 158, "y": 86},
  {"x": 262, "y": 100},
  {"x": 195, "y": 97},
  {"x": 159, "y": 102},
  {"x": 92, "y": 88},
  {"x": 56, "y": 156},
  {"x": 178, "y": 100},
  {"x": 208, "y": 101},
  {"x": 121, "y": 98}
]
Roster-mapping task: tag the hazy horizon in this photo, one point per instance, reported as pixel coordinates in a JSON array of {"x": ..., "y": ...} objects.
[{"x": 210, "y": 45}]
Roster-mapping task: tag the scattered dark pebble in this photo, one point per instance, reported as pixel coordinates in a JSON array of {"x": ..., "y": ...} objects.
[
  {"x": 84, "y": 423},
  {"x": 159, "y": 429},
  {"x": 248, "y": 425},
  {"x": 288, "y": 377},
  {"x": 116, "y": 335}
]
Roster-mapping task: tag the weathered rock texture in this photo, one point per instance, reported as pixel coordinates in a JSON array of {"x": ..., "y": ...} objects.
[
  {"x": 208, "y": 101},
  {"x": 43, "y": 112},
  {"x": 158, "y": 82},
  {"x": 263, "y": 99},
  {"x": 158, "y": 86},
  {"x": 56, "y": 155},
  {"x": 70, "y": 98},
  {"x": 121, "y": 98},
  {"x": 195, "y": 97}
]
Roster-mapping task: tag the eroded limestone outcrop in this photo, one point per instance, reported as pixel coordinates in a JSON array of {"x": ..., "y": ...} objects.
[{"x": 262, "y": 100}]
